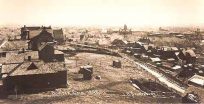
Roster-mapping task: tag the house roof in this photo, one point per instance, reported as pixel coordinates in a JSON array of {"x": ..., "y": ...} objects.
[
  {"x": 118, "y": 41},
  {"x": 58, "y": 52},
  {"x": 197, "y": 79},
  {"x": 6, "y": 68},
  {"x": 166, "y": 48},
  {"x": 140, "y": 43},
  {"x": 176, "y": 67},
  {"x": 34, "y": 33},
  {"x": 35, "y": 27},
  {"x": 146, "y": 47},
  {"x": 44, "y": 44},
  {"x": 86, "y": 67},
  {"x": 40, "y": 68},
  {"x": 174, "y": 48},
  {"x": 14, "y": 45},
  {"x": 16, "y": 57},
  {"x": 156, "y": 59}
]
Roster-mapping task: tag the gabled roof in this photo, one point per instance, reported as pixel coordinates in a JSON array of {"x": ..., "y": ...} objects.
[
  {"x": 41, "y": 68},
  {"x": 33, "y": 34}
]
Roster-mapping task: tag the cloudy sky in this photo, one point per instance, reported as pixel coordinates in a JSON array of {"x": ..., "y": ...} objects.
[{"x": 102, "y": 12}]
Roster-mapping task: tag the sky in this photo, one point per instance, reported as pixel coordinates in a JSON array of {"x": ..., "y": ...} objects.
[{"x": 102, "y": 12}]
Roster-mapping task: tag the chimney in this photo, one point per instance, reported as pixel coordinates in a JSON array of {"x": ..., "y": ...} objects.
[
  {"x": 23, "y": 50},
  {"x": 29, "y": 58},
  {"x": 28, "y": 34}
]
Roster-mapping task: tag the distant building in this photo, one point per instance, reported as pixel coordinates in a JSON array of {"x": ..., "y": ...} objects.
[
  {"x": 125, "y": 30},
  {"x": 187, "y": 56},
  {"x": 161, "y": 29},
  {"x": 41, "y": 37},
  {"x": 119, "y": 43},
  {"x": 59, "y": 35},
  {"x": 47, "y": 53},
  {"x": 44, "y": 44},
  {"x": 168, "y": 52},
  {"x": 145, "y": 40},
  {"x": 82, "y": 36},
  {"x": 28, "y": 33}
]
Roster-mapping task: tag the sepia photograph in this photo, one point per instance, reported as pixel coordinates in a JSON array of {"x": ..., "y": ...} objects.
[{"x": 101, "y": 51}]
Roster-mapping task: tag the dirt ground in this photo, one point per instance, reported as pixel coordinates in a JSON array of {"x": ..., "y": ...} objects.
[{"x": 113, "y": 87}]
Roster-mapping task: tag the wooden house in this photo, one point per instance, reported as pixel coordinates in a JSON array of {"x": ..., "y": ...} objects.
[
  {"x": 38, "y": 40},
  {"x": 33, "y": 75},
  {"x": 187, "y": 56}
]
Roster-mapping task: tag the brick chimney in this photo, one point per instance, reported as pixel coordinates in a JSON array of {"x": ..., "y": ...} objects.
[{"x": 29, "y": 58}]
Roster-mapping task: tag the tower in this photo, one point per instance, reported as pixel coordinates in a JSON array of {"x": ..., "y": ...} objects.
[
  {"x": 24, "y": 33},
  {"x": 125, "y": 27}
]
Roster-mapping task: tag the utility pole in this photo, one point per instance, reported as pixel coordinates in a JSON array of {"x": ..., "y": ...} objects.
[{"x": 77, "y": 58}]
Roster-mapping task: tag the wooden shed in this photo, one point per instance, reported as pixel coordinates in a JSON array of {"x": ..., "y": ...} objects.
[
  {"x": 117, "y": 64},
  {"x": 87, "y": 72}
]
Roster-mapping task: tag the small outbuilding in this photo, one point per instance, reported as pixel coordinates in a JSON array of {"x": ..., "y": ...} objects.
[
  {"x": 87, "y": 72},
  {"x": 117, "y": 63}
]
